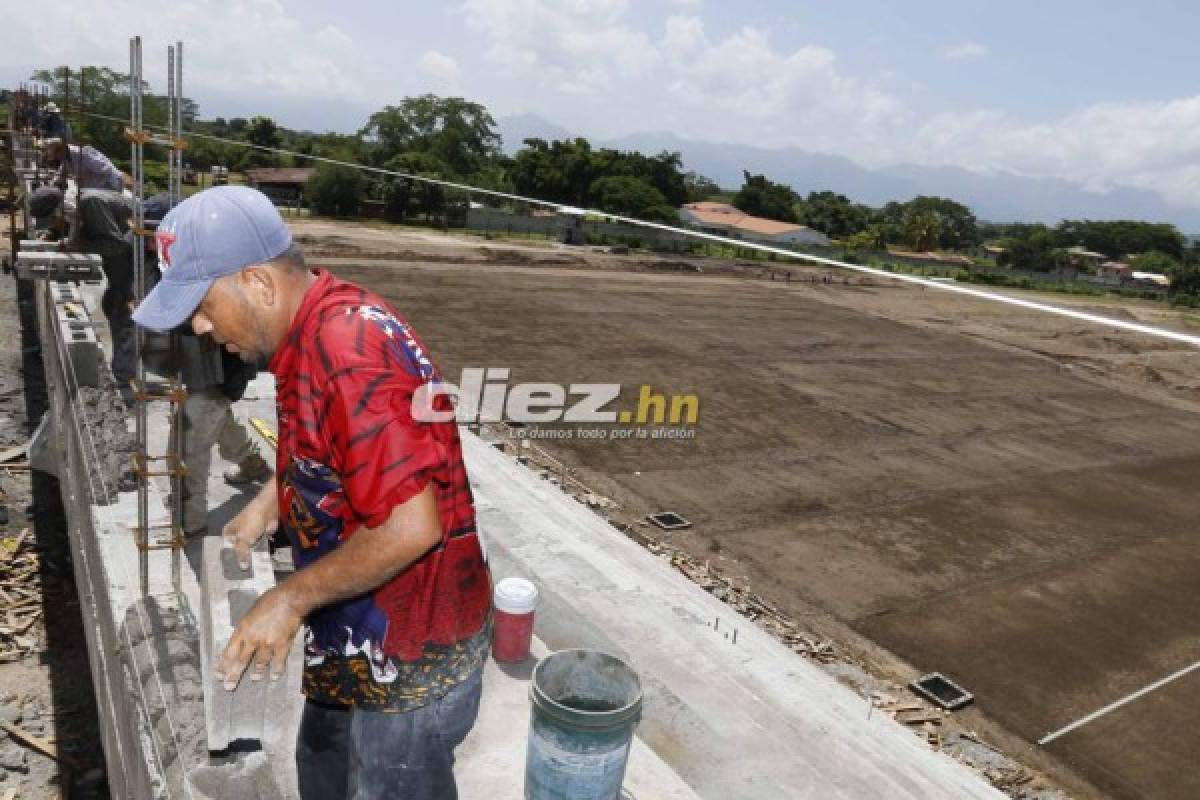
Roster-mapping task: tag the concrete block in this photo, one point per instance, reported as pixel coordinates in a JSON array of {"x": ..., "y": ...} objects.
[
  {"x": 64, "y": 292},
  {"x": 38, "y": 246},
  {"x": 227, "y": 593},
  {"x": 83, "y": 350},
  {"x": 59, "y": 266}
]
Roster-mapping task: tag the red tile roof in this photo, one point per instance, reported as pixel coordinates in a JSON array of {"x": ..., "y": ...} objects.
[{"x": 725, "y": 215}]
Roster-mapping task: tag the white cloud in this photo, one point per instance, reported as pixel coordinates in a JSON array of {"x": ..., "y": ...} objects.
[
  {"x": 443, "y": 69},
  {"x": 580, "y": 47},
  {"x": 230, "y": 45},
  {"x": 1149, "y": 144},
  {"x": 683, "y": 35},
  {"x": 774, "y": 97},
  {"x": 965, "y": 51}
]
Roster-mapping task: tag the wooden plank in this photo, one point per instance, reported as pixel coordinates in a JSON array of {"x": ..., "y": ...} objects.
[
  {"x": 13, "y": 452},
  {"x": 919, "y": 718},
  {"x": 24, "y": 626},
  {"x": 37, "y": 743}
]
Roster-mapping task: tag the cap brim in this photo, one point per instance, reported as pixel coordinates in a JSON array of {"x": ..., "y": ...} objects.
[{"x": 171, "y": 304}]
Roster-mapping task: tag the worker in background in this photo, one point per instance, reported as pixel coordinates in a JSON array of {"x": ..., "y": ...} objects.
[
  {"x": 214, "y": 380},
  {"x": 90, "y": 168},
  {"x": 390, "y": 579},
  {"x": 52, "y": 125},
  {"x": 100, "y": 225}
]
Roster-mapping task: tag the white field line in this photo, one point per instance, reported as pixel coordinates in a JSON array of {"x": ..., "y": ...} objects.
[{"x": 1111, "y": 707}]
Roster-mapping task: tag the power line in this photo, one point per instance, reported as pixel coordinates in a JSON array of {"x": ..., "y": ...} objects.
[{"x": 981, "y": 294}]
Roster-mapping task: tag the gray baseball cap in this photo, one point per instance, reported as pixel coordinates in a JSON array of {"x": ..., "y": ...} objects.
[{"x": 216, "y": 232}]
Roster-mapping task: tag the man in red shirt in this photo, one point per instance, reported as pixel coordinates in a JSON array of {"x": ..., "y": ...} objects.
[{"x": 390, "y": 578}]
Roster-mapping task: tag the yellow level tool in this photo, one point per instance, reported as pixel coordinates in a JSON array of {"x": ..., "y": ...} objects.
[{"x": 265, "y": 432}]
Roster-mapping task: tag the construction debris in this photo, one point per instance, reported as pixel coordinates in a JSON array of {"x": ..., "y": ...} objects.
[
  {"x": 20, "y": 597},
  {"x": 39, "y": 744}
]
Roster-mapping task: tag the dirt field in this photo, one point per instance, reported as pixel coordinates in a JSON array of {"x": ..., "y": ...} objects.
[{"x": 1006, "y": 497}]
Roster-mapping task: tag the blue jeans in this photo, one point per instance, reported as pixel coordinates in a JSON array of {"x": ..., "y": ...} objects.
[{"x": 350, "y": 754}]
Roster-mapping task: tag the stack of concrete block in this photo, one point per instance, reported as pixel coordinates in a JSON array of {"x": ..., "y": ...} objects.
[
  {"x": 78, "y": 333},
  {"x": 33, "y": 265},
  {"x": 227, "y": 593}
]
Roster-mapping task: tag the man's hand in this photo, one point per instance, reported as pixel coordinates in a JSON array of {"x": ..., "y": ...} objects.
[
  {"x": 261, "y": 640},
  {"x": 260, "y": 517}
]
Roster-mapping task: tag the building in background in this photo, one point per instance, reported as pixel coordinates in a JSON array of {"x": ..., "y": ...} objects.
[
  {"x": 1114, "y": 271},
  {"x": 284, "y": 185},
  {"x": 1085, "y": 260},
  {"x": 723, "y": 219}
]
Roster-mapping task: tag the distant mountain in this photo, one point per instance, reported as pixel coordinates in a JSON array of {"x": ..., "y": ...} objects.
[
  {"x": 516, "y": 129},
  {"x": 1001, "y": 197}
]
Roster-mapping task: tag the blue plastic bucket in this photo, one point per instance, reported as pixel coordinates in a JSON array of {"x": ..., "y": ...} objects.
[{"x": 586, "y": 705}]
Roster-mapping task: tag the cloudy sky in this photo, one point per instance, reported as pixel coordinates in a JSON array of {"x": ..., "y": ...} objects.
[{"x": 1102, "y": 93}]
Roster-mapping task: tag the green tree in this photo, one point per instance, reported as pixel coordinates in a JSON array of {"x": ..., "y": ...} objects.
[
  {"x": 404, "y": 198},
  {"x": 564, "y": 171},
  {"x": 922, "y": 230},
  {"x": 760, "y": 197},
  {"x": 335, "y": 190},
  {"x": 873, "y": 238},
  {"x": 262, "y": 132},
  {"x": 833, "y": 214},
  {"x": 559, "y": 171},
  {"x": 698, "y": 187},
  {"x": 1155, "y": 261},
  {"x": 1185, "y": 280},
  {"x": 1038, "y": 250},
  {"x": 459, "y": 133},
  {"x": 956, "y": 224},
  {"x": 632, "y": 197},
  {"x": 1121, "y": 237}
]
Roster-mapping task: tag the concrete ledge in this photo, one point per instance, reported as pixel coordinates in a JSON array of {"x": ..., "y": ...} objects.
[{"x": 736, "y": 719}]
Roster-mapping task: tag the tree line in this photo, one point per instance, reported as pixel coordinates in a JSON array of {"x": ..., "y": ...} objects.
[{"x": 455, "y": 139}]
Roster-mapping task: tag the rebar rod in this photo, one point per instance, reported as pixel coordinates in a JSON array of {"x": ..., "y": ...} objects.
[{"x": 139, "y": 278}]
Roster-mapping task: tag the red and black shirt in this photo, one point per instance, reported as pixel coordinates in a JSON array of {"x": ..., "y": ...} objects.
[{"x": 349, "y": 452}]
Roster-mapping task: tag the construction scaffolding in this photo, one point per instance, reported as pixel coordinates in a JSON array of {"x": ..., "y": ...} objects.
[{"x": 170, "y": 389}]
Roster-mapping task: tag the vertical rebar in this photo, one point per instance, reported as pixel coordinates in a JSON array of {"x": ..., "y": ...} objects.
[
  {"x": 179, "y": 116},
  {"x": 175, "y": 195},
  {"x": 136, "y": 165},
  {"x": 170, "y": 122}
]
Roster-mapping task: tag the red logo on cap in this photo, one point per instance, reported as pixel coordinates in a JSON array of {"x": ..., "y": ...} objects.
[{"x": 164, "y": 240}]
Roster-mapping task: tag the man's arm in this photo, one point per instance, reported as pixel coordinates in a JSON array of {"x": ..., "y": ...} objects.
[
  {"x": 260, "y": 517},
  {"x": 365, "y": 561}
]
